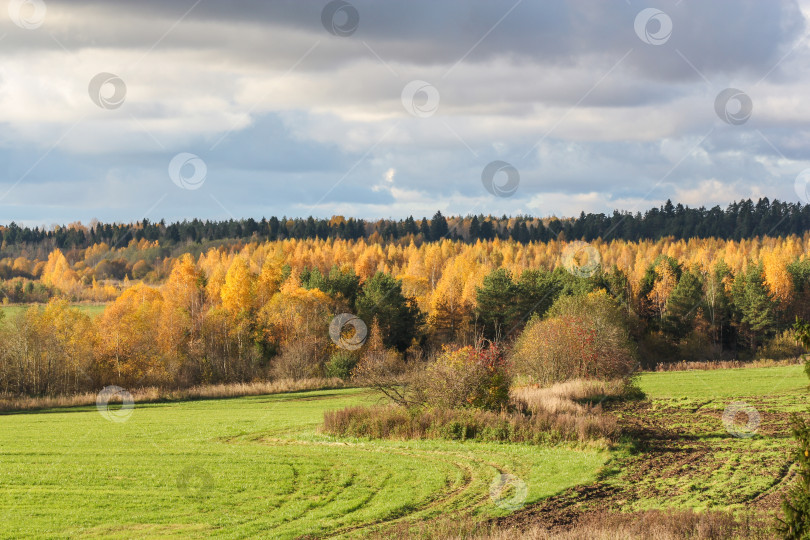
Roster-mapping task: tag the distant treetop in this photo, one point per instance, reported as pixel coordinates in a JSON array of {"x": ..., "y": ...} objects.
[{"x": 740, "y": 220}]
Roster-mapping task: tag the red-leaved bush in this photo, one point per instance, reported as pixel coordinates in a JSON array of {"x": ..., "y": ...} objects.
[
  {"x": 582, "y": 337},
  {"x": 469, "y": 377}
]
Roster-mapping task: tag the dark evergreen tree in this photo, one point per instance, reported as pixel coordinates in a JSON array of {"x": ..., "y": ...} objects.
[
  {"x": 495, "y": 304},
  {"x": 487, "y": 231},
  {"x": 475, "y": 229},
  {"x": 756, "y": 310},
  {"x": 685, "y": 303},
  {"x": 424, "y": 229},
  {"x": 438, "y": 227},
  {"x": 399, "y": 318}
]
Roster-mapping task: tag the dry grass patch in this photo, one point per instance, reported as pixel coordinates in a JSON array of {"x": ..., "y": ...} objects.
[
  {"x": 568, "y": 397},
  {"x": 647, "y": 525},
  {"x": 153, "y": 394},
  {"x": 560, "y": 413},
  {"x": 725, "y": 364},
  {"x": 397, "y": 422}
]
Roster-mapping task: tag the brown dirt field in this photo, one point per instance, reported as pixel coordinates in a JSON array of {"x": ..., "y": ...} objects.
[{"x": 679, "y": 448}]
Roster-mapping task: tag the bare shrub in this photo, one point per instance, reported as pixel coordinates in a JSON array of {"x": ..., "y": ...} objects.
[
  {"x": 300, "y": 359},
  {"x": 383, "y": 369}
]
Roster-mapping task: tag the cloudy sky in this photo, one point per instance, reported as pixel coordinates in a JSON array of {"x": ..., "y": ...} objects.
[{"x": 120, "y": 110}]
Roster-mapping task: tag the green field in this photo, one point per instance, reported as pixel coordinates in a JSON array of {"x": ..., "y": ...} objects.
[
  {"x": 724, "y": 383},
  {"x": 247, "y": 467},
  {"x": 12, "y": 310},
  {"x": 257, "y": 466},
  {"x": 692, "y": 459}
]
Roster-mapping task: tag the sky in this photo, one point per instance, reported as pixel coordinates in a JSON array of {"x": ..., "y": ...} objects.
[{"x": 125, "y": 110}]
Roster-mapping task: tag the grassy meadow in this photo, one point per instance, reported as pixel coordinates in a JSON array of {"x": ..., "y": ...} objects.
[
  {"x": 725, "y": 383},
  {"x": 247, "y": 467},
  {"x": 12, "y": 310},
  {"x": 258, "y": 466}
]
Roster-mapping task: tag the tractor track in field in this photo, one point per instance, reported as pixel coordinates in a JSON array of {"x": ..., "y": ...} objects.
[
  {"x": 469, "y": 474},
  {"x": 676, "y": 449},
  {"x": 673, "y": 447},
  {"x": 434, "y": 504}
]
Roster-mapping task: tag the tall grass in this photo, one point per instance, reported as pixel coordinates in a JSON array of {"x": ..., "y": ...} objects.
[
  {"x": 725, "y": 364},
  {"x": 568, "y": 397},
  {"x": 537, "y": 416},
  {"x": 153, "y": 394},
  {"x": 397, "y": 422}
]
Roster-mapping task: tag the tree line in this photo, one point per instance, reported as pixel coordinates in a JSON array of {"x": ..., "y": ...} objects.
[{"x": 743, "y": 219}]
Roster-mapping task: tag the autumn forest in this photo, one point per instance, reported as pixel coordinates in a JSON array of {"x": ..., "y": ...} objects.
[{"x": 184, "y": 311}]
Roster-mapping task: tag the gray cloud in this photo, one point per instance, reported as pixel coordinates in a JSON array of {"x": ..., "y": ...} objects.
[{"x": 282, "y": 111}]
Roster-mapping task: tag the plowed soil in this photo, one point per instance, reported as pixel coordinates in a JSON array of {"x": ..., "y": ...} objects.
[{"x": 682, "y": 456}]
